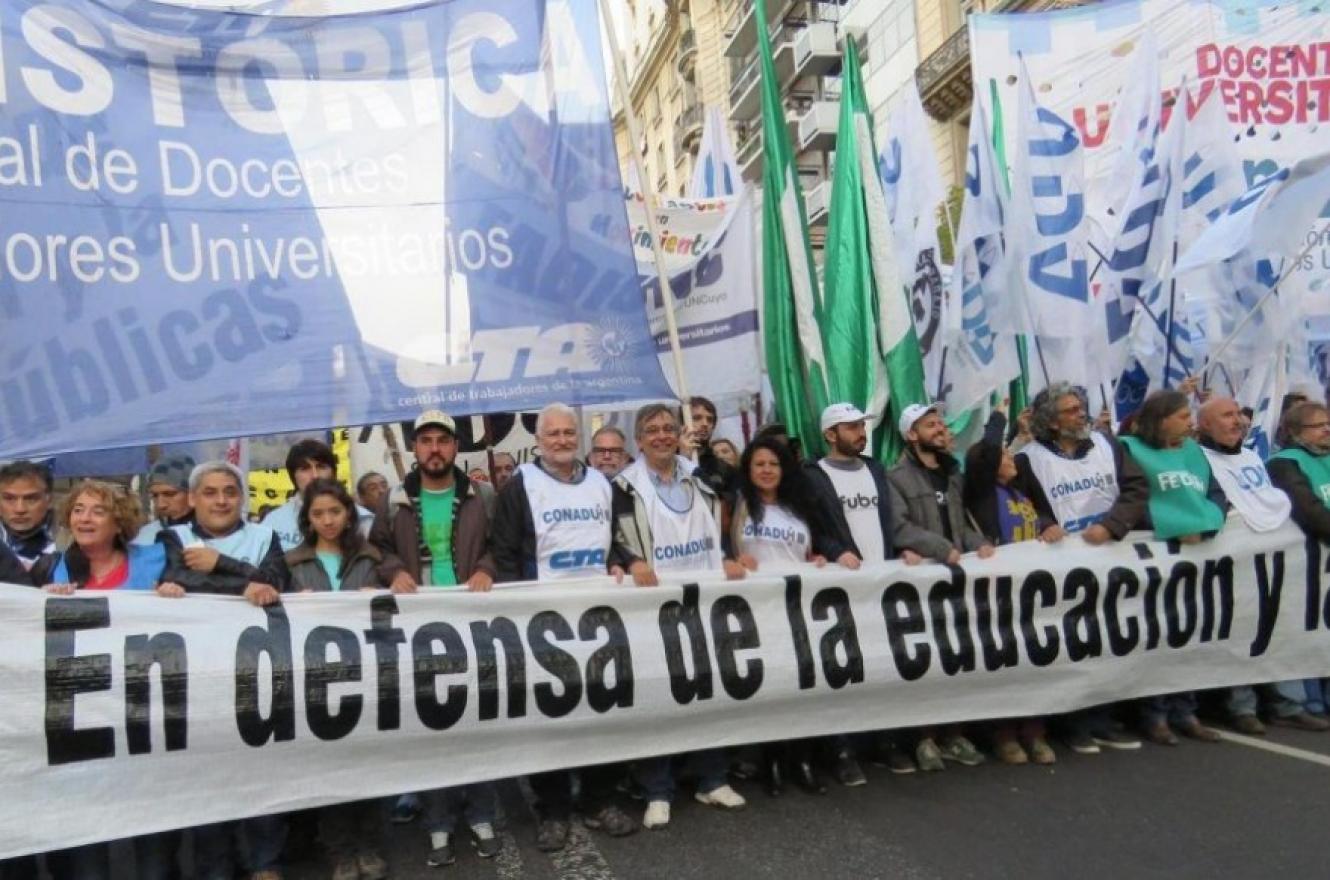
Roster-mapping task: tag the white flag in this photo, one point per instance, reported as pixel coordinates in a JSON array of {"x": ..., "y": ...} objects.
[{"x": 717, "y": 170}]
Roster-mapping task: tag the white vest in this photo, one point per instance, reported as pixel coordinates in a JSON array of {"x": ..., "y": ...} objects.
[
  {"x": 1080, "y": 491},
  {"x": 859, "y": 499},
  {"x": 781, "y": 539},
  {"x": 687, "y": 540},
  {"x": 572, "y": 522},
  {"x": 1248, "y": 488},
  {"x": 249, "y": 543}
]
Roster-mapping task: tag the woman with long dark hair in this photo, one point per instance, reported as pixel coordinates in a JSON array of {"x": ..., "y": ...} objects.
[{"x": 772, "y": 517}]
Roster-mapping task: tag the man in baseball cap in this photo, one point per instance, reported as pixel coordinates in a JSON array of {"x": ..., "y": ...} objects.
[
  {"x": 168, "y": 484},
  {"x": 841, "y": 414},
  {"x": 912, "y": 414},
  {"x": 436, "y": 418}
]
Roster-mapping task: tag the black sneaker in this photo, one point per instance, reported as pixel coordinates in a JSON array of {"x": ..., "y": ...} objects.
[
  {"x": 484, "y": 840},
  {"x": 551, "y": 835},
  {"x": 1118, "y": 740},
  {"x": 612, "y": 820},
  {"x": 442, "y": 856},
  {"x": 1082, "y": 744},
  {"x": 848, "y": 772}
]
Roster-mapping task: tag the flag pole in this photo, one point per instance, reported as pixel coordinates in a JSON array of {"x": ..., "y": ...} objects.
[
  {"x": 1172, "y": 304},
  {"x": 1213, "y": 357},
  {"x": 649, "y": 198}
]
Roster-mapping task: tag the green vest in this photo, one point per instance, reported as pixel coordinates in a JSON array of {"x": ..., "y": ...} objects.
[
  {"x": 1316, "y": 468},
  {"x": 1178, "y": 482}
]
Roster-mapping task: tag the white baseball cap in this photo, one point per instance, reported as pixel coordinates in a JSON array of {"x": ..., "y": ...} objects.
[
  {"x": 437, "y": 418},
  {"x": 913, "y": 413},
  {"x": 840, "y": 414}
]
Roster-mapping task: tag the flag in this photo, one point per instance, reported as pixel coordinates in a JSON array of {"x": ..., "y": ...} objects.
[
  {"x": 1049, "y": 268},
  {"x": 913, "y": 187},
  {"x": 1271, "y": 218},
  {"x": 717, "y": 170},
  {"x": 875, "y": 360},
  {"x": 979, "y": 362},
  {"x": 792, "y": 307},
  {"x": 1020, "y": 386}
]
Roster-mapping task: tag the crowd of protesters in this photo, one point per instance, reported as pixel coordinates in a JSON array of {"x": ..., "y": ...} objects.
[{"x": 689, "y": 502}]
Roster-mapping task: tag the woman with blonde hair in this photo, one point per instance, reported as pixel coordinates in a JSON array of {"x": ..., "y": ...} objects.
[{"x": 102, "y": 518}]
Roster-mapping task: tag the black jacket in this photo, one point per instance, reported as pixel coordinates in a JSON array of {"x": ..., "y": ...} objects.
[
  {"x": 11, "y": 570},
  {"x": 832, "y": 529},
  {"x": 981, "y": 467},
  {"x": 231, "y": 576},
  {"x": 1309, "y": 512},
  {"x": 721, "y": 477}
]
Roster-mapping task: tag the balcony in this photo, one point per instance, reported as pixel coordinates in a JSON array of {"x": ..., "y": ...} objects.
[
  {"x": 688, "y": 129},
  {"x": 814, "y": 50},
  {"x": 818, "y": 203},
  {"x": 741, "y": 29},
  {"x": 817, "y": 127},
  {"x": 686, "y": 63},
  {"x": 749, "y": 152},
  {"x": 945, "y": 81}
]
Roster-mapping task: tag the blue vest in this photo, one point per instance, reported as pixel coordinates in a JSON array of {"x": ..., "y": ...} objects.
[
  {"x": 146, "y": 563},
  {"x": 249, "y": 543}
]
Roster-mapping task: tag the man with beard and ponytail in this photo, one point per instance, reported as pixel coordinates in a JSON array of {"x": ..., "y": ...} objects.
[
  {"x": 1263, "y": 507},
  {"x": 554, "y": 521},
  {"x": 1085, "y": 482},
  {"x": 434, "y": 533}
]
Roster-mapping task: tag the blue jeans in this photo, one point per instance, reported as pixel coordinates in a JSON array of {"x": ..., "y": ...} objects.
[
  {"x": 476, "y": 803},
  {"x": 657, "y": 774},
  {"x": 1244, "y": 700},
  {"x": 1171, "y": 708},
  {"x": 1308, "y": 694},
  {"x": 257, "y": 841}
]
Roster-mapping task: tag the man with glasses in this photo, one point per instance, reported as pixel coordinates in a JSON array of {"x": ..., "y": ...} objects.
[
  {"x": 609, "y": 451},
  {"x": 25, "y": 511}
]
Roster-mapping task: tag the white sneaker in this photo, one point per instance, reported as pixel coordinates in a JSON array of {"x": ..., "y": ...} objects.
[
  {"x": 724, "y": 797},
  {"x": 657, "y": 815}
]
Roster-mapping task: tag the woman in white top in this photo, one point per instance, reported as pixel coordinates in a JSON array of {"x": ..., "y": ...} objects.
[{"x": 771, "y": 518}]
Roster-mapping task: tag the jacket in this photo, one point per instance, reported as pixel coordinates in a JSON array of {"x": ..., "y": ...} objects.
[
  {"x": 723, "y": 478},
  {"x": 32, "y": 546},
  {"x": 831, "y": 533},
  {"x": 922, "y": 529},
  {"x": 981, "y": 467},
  {"x": 11, "y": 570},
  {"x": 396, "y": 530},
  {"x": 1127, "y": 513},
  {"x": 307, "y": 572},
  {"x": 230, "y": 576},
  {"x": 1309, "y": 512},
  {"x": 146, "y": 564},
  {"x": 513, "y": 533},
  {"x": 632, "y": 523}
]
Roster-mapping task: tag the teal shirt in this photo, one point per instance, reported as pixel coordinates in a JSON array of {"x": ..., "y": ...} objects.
[
  {"x": 436, "y": 517},
  {"x": 1179, "y": 479},
  {"x": 1316, "y": 468},
  {"x": 332, "y": 564}
]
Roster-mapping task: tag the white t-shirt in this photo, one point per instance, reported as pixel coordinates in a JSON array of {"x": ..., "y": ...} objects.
[
  {"x": 779, "y": 540},
  {"x": 859, "y": 499},
  {"x": 572, "y": 522},
  {"x": 1080, "y": 491}
]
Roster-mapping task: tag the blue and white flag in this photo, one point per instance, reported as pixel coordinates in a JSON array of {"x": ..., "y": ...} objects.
[
  {"x": 717, "y": 170},
  {"x": 224, "y": 224},
  {"x": 1271, "y": 218},
  {"x": 979, "y": 360},
  {"x": 913, "y": 188},
  {"x": 1049, "y": 251}
]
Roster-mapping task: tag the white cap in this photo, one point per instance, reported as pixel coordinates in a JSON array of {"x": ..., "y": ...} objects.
[
  {"x": 913, "y": 413},
  {"x": 438, "y": 418},
  {"x": 840, "y": 414}
]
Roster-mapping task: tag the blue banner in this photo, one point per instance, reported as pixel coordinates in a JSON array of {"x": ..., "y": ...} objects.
[{"x": 218, "y": 224}]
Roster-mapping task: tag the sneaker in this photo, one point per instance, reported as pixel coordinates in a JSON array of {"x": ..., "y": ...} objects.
[
  {"x": 612, "y": 820},
  {"x": 485, "y": 840},
  {"x": 1082, "y": 744},
  {"x": 1118, "y": 740},
  {"x": 405, "y": 811},
  {"x": 657, "y": 815},
  {"x": 898, "y": 762},
  {"x": 723, "y": 797},
  {"x": 1194, "y": 729},
  {"x": 928, "y": 756},
  {"x": 346, "y": 869},
  {"x": 1301, "y": 721},
  {"x": 551, "y": 835},
  {"x": 1160, "y": 734},
  {"x": 848, "y": 772},
  {"x": 372, "y": 866},
  {"x": 962, "y": 751},
  {"x": 1248, "y": 724},
  {"x": 1041, "y": 752},
  {"x": 440, "y": 850},
  {"x": 1010, "y": 752}
]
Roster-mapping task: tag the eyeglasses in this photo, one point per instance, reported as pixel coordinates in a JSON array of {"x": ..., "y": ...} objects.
[
  {"x": 606, "y": 450},
  {"x": 565, "y": 434},
  {"x": 1315, "y": 426},
  {"x": 656, "y": 430}
]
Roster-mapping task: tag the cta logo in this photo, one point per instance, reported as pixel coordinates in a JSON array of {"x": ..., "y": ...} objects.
[{"x": 565, "y": 560}]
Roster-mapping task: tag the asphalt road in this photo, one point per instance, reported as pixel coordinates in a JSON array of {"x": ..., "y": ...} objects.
[
  {"x": 1198, "y": 810},
  {"x": 1237, "y": 809}
]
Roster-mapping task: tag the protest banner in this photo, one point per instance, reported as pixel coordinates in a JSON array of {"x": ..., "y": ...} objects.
[
  {"x": 225, "y": 224},
  {"x": 131, "y": 713}
]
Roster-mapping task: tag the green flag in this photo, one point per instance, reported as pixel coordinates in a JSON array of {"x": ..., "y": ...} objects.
[
  {"x": 791, "y": 304},
  {"x": 1020, "y": 386},
  {"x": 875, "y": 360}
]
